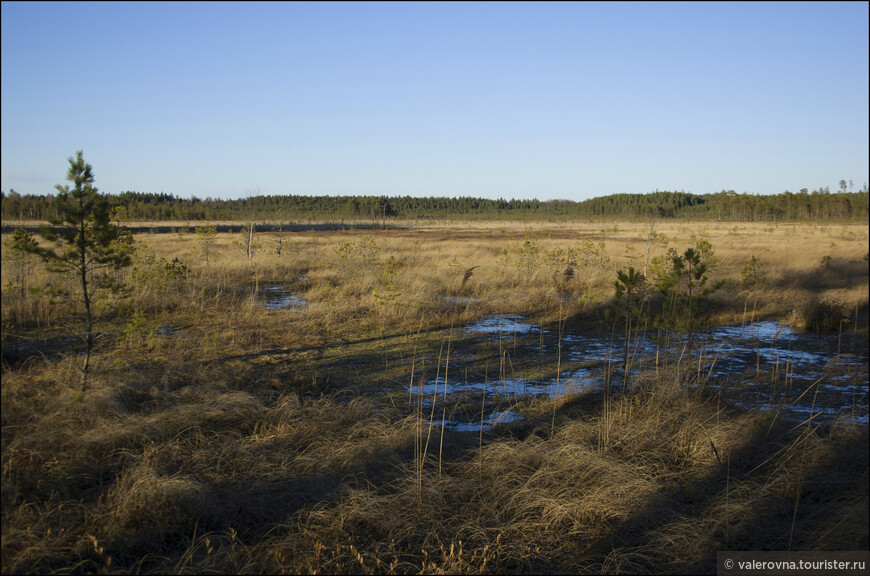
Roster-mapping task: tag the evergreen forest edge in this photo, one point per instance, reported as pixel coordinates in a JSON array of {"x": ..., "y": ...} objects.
[{"x": 727, "y": 205}]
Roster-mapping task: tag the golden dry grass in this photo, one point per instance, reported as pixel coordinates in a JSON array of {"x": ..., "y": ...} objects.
[{"x": 249, "y": 440}]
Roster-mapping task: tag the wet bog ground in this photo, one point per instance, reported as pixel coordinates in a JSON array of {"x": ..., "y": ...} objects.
[{"x": 759, "y": 366}]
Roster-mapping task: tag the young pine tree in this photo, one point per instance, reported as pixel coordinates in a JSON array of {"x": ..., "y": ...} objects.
[
  {"x": 629, "y": 288},
  {"x": 85, "y": 241}
]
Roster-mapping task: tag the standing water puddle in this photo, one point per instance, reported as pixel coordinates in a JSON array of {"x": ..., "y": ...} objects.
[
  {"x": 760, "y": 366},
  {"x": 494, "y": 419},
  {"x": 504, "y": 325},
  {"x": 278, "y": 297},
  {"x": 767, "y": 366},
  {"x": 575, "y": 382}
]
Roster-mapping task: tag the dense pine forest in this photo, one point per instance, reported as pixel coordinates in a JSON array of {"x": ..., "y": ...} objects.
[{"x": 726, "y": 205}]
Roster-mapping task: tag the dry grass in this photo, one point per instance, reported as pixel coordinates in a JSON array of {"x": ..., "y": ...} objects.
[
  {"x": 219, "y": 480},
  {"x": 802, "y": 264},
  {"x": 247, "y": 440}
]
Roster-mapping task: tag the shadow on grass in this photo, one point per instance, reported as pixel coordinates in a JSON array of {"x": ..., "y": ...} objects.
[
  {"x": 781, "y": 489},
  {"x": 831, "y": 274}
]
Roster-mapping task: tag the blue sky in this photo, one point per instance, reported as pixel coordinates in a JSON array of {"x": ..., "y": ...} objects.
[{"x": 513, "y": 100}]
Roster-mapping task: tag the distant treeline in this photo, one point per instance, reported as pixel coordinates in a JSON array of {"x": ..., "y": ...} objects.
[{"x": 726, "y": 206}]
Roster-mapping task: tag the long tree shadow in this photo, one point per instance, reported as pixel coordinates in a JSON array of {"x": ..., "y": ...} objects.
[
  {"x": 831, "y": 273},
  {"x": 252, "y": 505},
  {"x": 781, "y": 498}
]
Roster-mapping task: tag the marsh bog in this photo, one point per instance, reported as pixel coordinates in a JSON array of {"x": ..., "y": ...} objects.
[
  {"x": 360, "y": 402},
  {"x": 759, "y": 366}
]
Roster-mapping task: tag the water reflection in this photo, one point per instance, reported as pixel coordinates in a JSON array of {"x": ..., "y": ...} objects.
[
  {"x": 760, "y": 366},
  {"x": 505, "y": 325},
  {"x": 278, "y": 297},
  {"x": 494, "y": 419}
]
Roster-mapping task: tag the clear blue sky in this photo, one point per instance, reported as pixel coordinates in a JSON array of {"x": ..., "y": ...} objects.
[{"x": 513, "y": 100}]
